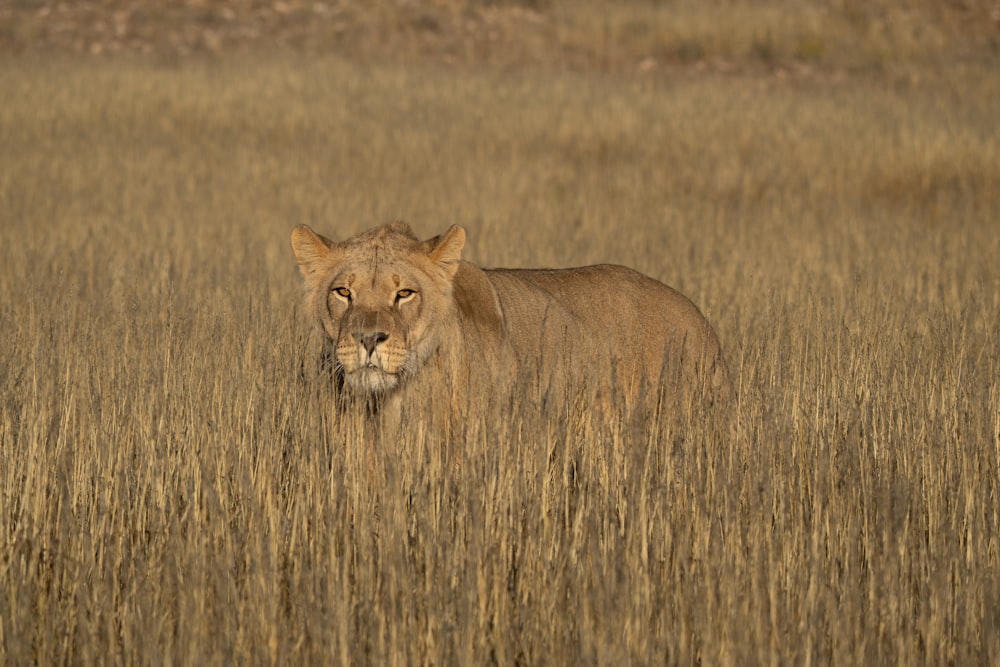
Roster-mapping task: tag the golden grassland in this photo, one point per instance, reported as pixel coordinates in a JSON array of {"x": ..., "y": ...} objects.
[{"x": 175, "y": 488}]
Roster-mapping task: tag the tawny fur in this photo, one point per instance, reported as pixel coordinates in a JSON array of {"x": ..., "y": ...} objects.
[{"x": 406, "y": 318}]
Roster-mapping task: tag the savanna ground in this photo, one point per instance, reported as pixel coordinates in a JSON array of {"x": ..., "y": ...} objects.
[{"x": 823, "y": 179}]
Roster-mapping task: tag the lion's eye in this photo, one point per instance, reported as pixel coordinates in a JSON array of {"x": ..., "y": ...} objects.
[
  {"x": 404, "y": 294},
  {"x": 342, "y": 292}
]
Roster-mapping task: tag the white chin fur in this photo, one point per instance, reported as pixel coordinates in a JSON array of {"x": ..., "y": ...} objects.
[{"x": 371, "y": 380}]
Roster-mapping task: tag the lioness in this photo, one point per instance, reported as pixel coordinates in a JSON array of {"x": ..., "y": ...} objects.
[{"x": 405, "y": 318}]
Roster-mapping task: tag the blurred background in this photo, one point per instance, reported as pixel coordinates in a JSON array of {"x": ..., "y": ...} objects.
[{"x": 797, "y": 35}]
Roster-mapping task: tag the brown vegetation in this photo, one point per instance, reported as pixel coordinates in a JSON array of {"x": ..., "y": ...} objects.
[{"x": 825, "y": 34}]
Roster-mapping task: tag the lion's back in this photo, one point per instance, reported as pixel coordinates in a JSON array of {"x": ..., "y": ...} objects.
[{"x": 605, "y": 314}]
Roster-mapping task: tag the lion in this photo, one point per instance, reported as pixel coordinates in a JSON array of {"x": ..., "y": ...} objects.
[{"x": 403, "y": 319}]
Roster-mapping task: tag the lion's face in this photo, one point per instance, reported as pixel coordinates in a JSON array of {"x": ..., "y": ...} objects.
[
  {"x": 381, "y": 299},
  {"x": 378, "y": 316}
]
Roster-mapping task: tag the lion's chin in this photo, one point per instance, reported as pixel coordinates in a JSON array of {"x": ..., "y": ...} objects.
[{"x": 371, "y": 380}]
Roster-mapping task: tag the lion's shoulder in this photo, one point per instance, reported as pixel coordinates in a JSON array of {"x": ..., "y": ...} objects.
[{"x": 477, "y": 301}]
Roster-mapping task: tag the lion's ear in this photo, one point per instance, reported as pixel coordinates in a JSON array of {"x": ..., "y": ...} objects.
[
  {"x": 446, "y": 249},
  {"x": 310, "y": 249}
]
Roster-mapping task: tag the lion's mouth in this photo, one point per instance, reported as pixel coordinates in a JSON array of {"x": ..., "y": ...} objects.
[
  {"x": 371, "y": 379},
  {"x": 370, "y": 369}
]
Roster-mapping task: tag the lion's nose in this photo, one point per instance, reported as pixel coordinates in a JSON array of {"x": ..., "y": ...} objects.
[{"x": 371, "y": 340}]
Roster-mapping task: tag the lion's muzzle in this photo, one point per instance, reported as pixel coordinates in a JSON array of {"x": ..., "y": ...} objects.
[{"x": 371, "y": 357}]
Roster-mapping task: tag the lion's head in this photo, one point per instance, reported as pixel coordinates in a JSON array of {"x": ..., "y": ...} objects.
[{"x": 381, "y": 299}]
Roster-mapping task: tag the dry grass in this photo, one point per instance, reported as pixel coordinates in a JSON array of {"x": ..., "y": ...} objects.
[{"x": 173, "y": 489}]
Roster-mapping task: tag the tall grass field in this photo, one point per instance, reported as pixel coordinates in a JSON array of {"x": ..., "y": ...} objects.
[{"x": 176, "y": 487}]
